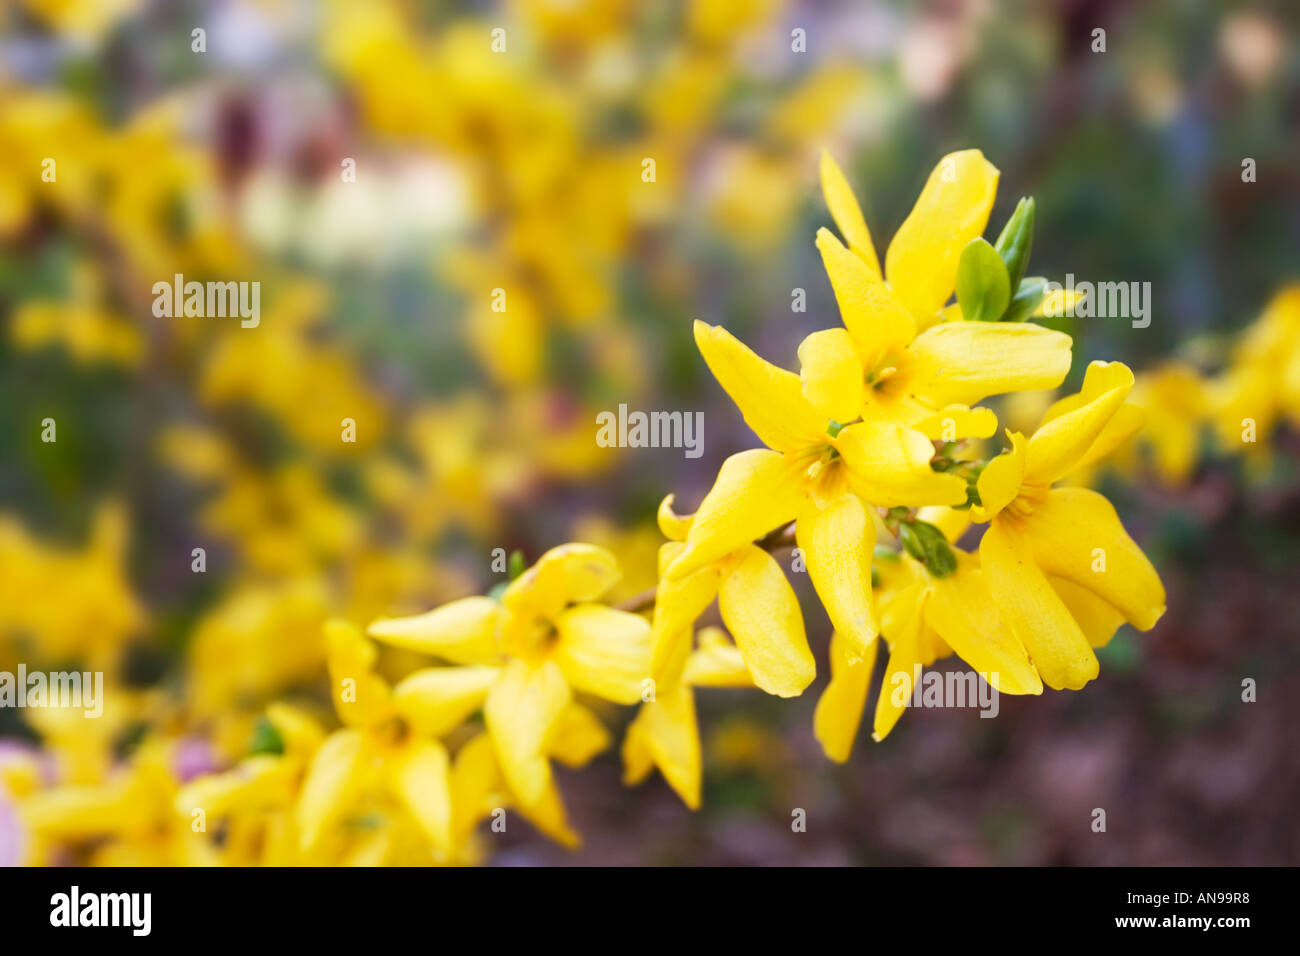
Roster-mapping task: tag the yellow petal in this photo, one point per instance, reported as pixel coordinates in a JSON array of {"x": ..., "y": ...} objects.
[
  {"x": 890, "y": 465},
  {"x": 678, "y": 603},
  {"x": 521, "y": 713},
  {"x": 717, "y": 662},
  {"x": 831, "y": 373},
  {"x": 332, "y": 779},
  {"x": 464, "y": 631},
  {"x": 962, "y": 611},
  {"x": 964, "y": 362},
  {"x": 953, "y": 208},
  {"x": 570, "y": 572},
  {"x": 839, "y": 709},
  {"x": 1060, "y": 444},
  {"x": 903, "y": 621},
  {"x": 875, "y": 318},
  {"x": 438, "y": 699},
  {"x": 361, "y": 697},
  {"x": 666, "y": 732},
  {"x": 420, "y": 776},
  {"x": 1034, "y": 612},
  {"x": 846, "y": 212},
  {"x": 955, "y": 422},
  {"x": 1001, "y": 479},
  {"x": 579, "y": 736},
  {"x": 1075, "y": 534},
  {"x": 762, "y": 613},
  {"x": 770, "y": 398},
  {"x": 838, "y": 539},
  {"x": 604, "y": 651},
  {"x": 477, "y": 785},
  {"x": 1097, "y": 619},
  {"x": 953, "y": 522},
  {"x": 673, "y": 526},
  {"x": 1100, "y": 378},
  {"x": 755, "y": 491}
]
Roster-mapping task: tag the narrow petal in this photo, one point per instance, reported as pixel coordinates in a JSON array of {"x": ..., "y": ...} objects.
[
  {"x": 578, "y": 737},
  {"x": 420, "y": 775},
  {"x": 964, "y": 362},
  {"x": 962, "y": 611},
  {"x": 770, "y": 398},
  {"x": 331, "y": 781},
  {"x": 846, "y": 212},
  {"x": 838, "y": 539},
  {"x": 755, "y": 491},
  {"x": 839, "y": 709},
  {"x": 570, "y": 572},
  {"x": 604, "y": 651},
  {"x": 1060, "y": 444},
  {"x": 361, "y": 697},
  {"x": 878, "y": 322},
  {"x": 1001, "y": 479},
  {"x": 678, "y": 604},
  {"x": 1128, "y": 419},
  {"x": 463, "y": 631},
  {"x": 890, "y": 465},
  {"x": 903, "y": 621},
  {"x": 1075, "y": 534},
  {"x": 673, "y": 526},
  {"x": 1036, "y": 615},
  {"x": 666, "y": 732},
  {"x": 717, "y": 662},
  {"x": 1098, "y": 620},
  {"x": 955, "y": 422},
  {"x": 438, "y": 699},
  {"x": 521, "y": 713},
  {"x": 953, "y": 208},
  {"x": 831, "y": 373},
  {"x": 762, "y": 613}
]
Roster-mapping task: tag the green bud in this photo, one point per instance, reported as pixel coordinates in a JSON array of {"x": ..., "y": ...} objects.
[
  {"x": 1029, "y": 296},
  {"x": 1016, "y": 240},
  {"x": 927, "y": 544},
  {"x": 833, "y": 428},
  {"x": 516, "y": 566},
  {"x": 983, "y": 285},
  {"x": 265, "y": 740}
]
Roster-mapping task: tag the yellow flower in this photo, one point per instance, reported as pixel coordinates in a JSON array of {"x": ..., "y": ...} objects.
[
  {"x": 376, "y": 750},
  {"x": 665, "y": 733},
  {"x": 924, "y": 616},
  {"x": 878, "y": 365},
  {"x": 757, "y": 603},
  {"x": 256, "y": 797},
  {"x": 818, "y": 472},
  {"x": 1057, "y": 560},
  {"x": 525, "y": 657}
]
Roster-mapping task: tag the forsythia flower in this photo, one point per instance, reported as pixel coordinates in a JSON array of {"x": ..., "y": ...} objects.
[
  {"x": 665, "y": 733},
  {"x": 525, "y": 656},
  {"x": 878, "y": 365},
  {"x": 924, "y": 616},
  {"x": 1057, "y": 560},
  {"x": 813, "y": 470}
]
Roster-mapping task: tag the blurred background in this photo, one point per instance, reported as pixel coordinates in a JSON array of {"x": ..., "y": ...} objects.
[{"x": 522, "y": 170}]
